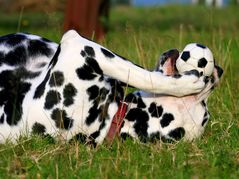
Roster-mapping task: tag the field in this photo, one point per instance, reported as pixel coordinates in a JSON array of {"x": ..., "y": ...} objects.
[{"x": 141, "y": 35}]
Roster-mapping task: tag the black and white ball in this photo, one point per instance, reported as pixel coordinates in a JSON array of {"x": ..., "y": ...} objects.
[{"x": 196, "y": 56}]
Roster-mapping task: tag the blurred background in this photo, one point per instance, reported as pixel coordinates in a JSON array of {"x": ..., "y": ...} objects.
[{"x": 94, "y": 18}]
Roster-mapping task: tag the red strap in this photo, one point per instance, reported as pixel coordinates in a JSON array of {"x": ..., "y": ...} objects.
[{"x": 117, "y": 122}]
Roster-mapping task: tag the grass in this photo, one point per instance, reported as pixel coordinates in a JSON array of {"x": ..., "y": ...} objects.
[{"x": 141, "y": 35}]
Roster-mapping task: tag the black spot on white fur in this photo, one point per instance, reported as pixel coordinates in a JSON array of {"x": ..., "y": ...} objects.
[
  {"x": 205, "y": 118},
  {"x": 192, "y": 72},
  {"x": 20, "y": 54},
  {"x": 1, "y": 57},
  {"x": 80, "y": 137},
  {"x": 55, "y": 57},
  {"x": 85, "y": 73},
  {"x": 21, "y": 73},
  {"x": 41, "y": 87},
  {"x": 156, "y": 111},
  {"x": 177, "y": 133},
  {"x": 89, "y": 70},
  {"x": 57, "y": 79},
  {"x": 95, "y": 110},
  {"x": 25, "y": 74},
  {"x": 141, "y": 122},
  {"x": 45, "y": 40},
  {"x": 16, "y": 56},
  {"x": 219, "y": 70},
  {"x": 92, "y": 114},
  {"x": 135, "y": 98},
  {"x": 12, "y": 95},
  {"x": 125, "y": 136},
  {"x": 166, "y": 119},
  {"x": 61, "y": 119},
  {"x": 133, "y": 114},
  {"x": 68, "y": 93},
  {"x": 203, "y": 103},
  {"x": 177, "y": 76},
  {"x": 141, "y": 126},
  {"x": 38, "y": 128},
  {"x": 93, "y": 92},
  {"x": 83, "y": 54},
  {"x": 94, "y": 135},
  {"x": 154, "y": 137},
  {"x": 52, "y": 98},
  {"x": 12, "y": 39},
  {"x": 38, "y": 47},
  {"x": 103, "y": 93},
  {"x": 107, "y": 53},
  {"x": 140, "y": 103},
  {"x": 89, "y": 51},
  {"x": 131, "y": 98},
  {"x": 117, "y": 91},
  {"x": 94, "y": 65},
  {"x": 2, "y": 119}
]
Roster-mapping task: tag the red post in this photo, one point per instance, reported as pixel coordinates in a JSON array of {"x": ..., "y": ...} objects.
[{"x": 85, "y": 16}]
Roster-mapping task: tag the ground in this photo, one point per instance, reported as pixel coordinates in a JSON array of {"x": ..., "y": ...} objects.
[{"x": 142, "y": 34}]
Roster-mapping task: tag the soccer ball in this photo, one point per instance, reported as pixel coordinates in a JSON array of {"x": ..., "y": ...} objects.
[{"x": 196, "y": 56}]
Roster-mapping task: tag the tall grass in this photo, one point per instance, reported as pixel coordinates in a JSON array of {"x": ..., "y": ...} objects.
[{"x": 141, "y": 35}]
